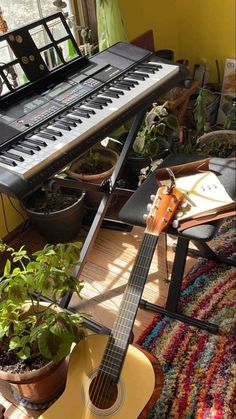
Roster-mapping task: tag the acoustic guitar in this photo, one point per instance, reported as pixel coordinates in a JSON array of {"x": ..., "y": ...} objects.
[{"x": 107, "y": 376}]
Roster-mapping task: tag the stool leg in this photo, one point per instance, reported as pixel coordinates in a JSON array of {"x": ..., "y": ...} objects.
[
  {"x": 177, "y": 274},
  {"x": 207, "y": 252}
]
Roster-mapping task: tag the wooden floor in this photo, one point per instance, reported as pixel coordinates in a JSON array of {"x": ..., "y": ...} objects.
[{"x": 105, "y": 276}]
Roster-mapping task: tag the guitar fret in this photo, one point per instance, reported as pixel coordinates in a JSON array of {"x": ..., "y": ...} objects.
[{"x": 118, "y": 341}]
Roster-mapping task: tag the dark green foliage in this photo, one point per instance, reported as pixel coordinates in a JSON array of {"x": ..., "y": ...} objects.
[{"x": 27, "y": 326}]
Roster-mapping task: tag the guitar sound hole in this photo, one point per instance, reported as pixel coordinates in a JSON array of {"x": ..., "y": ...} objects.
[{"x": 103, "y": 391}]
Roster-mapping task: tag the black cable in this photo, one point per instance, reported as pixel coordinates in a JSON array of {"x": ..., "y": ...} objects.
[
  {"x": 4, "y": 215},
  {"x": 16, "y": 209}
]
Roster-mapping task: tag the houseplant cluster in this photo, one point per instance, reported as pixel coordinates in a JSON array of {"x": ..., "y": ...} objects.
[{"x": 35, "y": 337}]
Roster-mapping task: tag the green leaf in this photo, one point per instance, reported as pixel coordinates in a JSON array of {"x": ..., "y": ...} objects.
[
  {"x": 24, "y": 353},
  {"x": 139, "y": 143},
  {"x": 172, "y": 122},
  {"x": 7, "y": 268},
  {"x": 15, "y": 343},
  {"x": 160, "y": 128}
]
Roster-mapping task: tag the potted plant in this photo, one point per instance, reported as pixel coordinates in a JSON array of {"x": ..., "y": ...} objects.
[
  {"x": 57, "y": 213},
  {"x": 95, "y": 166},
  {"x": 151, "y": 142},
  {"x": 35, "y": 337}
]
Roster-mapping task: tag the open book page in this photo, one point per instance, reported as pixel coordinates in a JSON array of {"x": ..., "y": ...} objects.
[{"x": 204, "y": 194}]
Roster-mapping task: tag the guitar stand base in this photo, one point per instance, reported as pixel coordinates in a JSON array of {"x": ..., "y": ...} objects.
[{"x": 209, "y": 327}]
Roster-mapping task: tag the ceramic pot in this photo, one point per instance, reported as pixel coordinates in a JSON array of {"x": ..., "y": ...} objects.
[
  {"x": 57, "y": 226},
  {"x": 92, "y": 198}
]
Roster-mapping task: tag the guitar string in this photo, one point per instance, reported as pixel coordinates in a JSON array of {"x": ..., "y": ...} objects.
[
  {"x": 134, "y": 275},
  {"x": 103, "y": 380}
]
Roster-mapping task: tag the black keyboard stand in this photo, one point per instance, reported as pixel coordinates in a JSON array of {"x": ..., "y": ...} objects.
[{"x": 108, "y": 189}]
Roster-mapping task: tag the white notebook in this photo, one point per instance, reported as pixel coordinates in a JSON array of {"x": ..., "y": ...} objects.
[{"x": 204, "y": 194}]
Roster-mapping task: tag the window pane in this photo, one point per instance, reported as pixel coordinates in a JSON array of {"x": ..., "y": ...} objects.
[{"x": 18, "y": 13}]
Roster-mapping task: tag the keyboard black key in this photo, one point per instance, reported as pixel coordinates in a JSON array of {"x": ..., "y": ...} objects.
[
  {"x": 136, "y": 76},
  {"x": 53, "y": 132},
  {"x": 37, "y": 142},
  {"x": 8, "y": 162},
  {"x": 63, "y": 122},
  {"x": 148, "y": 70},
  {"x": 94, "y": 105},
  {"x": 129, "y": 82},
  {"x": 122, "y": 86},
  {"x": 61, "y": 126},
  {"x": 23, "y": 149},
  {"x": 89, "y": 111},
  {"x": 107, "y": 99},
  {"x": 82, "y": 113},
  {"x": 100, "y": 100},
  {"x": 30, "y": 146},
  {"x": 119, "y": 92},
  {"x": 71, "y": 122},
  {"x": 49, "y": 137},
  {"x": 12, "y": 156},
  {"x": 110, "y": 93}
]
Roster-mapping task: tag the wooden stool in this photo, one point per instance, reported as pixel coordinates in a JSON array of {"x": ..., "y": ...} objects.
[{"x": 179, "y": 105}]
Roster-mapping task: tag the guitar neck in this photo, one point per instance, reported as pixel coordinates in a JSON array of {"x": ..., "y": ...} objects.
[{"x": 119, "y": 339}]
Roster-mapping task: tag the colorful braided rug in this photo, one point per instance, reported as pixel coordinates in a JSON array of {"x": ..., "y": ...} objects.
[{"x": 199, "y": 367}]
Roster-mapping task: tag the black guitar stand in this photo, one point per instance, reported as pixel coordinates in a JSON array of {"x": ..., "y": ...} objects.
[{"x": 108, "y": 189}]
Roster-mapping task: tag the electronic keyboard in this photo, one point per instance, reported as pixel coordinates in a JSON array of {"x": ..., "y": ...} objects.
[{"x": 51, "y": 126}]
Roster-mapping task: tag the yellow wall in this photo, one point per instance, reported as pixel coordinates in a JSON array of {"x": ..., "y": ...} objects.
[
  {"x": 13, "y": 218},
  {"x": 194, "y": 29}
]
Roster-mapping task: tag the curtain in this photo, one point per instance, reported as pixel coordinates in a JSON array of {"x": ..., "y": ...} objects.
[{"x": 111, "y": 27}]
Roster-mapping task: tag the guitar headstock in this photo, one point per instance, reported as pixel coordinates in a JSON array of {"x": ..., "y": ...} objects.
[{"x": 162, "y": 210}]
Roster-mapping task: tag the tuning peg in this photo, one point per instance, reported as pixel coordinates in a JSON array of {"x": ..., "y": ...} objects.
[
  {"x": 149, "y": 207},
  {"x": 184, "y": 204},
  {"x": 145, "y": 216},
  {"x": 179, "y": 214},
  {"x": 152, "y": 197},
  {"x": 175, "y": 223}
]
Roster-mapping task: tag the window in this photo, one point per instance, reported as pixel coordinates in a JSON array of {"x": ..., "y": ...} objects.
[{"x": 18, "y": 13}]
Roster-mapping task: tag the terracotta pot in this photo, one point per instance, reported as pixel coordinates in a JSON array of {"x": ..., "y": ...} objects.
[
  {"x": 92, "y": 199},
  {"x": 39, "y": 386}
]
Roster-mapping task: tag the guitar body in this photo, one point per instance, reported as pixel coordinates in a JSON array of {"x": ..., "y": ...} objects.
[{"x": 139, "y": 387}]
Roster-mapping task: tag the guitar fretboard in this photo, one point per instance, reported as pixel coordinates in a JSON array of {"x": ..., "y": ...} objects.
[{"x": 118, "y": 341}]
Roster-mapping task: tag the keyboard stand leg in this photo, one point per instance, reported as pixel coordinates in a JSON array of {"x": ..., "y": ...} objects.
[{"x": 104, "y": 204}]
